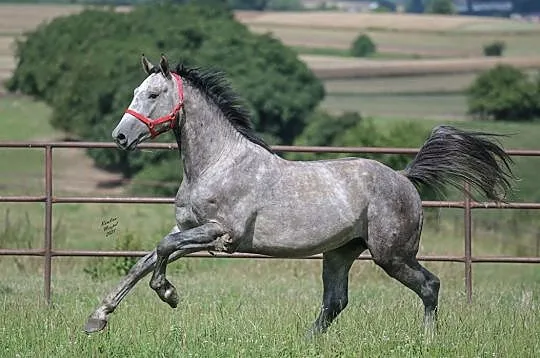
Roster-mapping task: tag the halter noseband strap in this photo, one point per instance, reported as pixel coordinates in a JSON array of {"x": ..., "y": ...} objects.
[{"x": 162, "y": 124}]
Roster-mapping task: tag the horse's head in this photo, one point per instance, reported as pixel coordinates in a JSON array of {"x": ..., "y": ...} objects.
[{"x": 155, "y": 107}]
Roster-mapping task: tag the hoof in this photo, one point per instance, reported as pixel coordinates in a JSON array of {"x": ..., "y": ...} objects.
[
  {"x": 166, "y": 292},
  {"x": 171, "y": 297},
  {"x": 94, "y": 325}
]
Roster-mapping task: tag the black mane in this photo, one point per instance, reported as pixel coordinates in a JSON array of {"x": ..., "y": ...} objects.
[{"x": 214, "y": 84}]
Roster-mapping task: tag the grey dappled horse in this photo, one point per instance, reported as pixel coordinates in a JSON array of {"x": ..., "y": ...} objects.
[{"x": 238, "y": 196}]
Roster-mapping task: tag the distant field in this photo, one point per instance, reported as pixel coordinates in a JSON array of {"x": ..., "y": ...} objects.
[
  {"x": 331, "y": 67},
  {"x": 455, "y": 37},
  {"x": 397, "y": 35},
  {"x": 432, "y": 107},
  {"x": 454, "y": 83},
  {"x": 436, "y": 97},
  {"x": 422, "y": 44},
  {"x": 15, "y": 19},
  {"x": 388, "y": 22}
]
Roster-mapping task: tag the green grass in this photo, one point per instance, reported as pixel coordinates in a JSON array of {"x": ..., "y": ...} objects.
[
  {"x": 24, "y": 119},
  {"x": 421, "y": 97},
  {"x": 251, "y": 308},
  {"x": 79, "y": 225},
  {"x": 233, "y": 308},
  {"x": 436, "y": 106},
  {"x": 455, "y": 45},
  {"x": 21, "y": 170},
  {"x": 326, "y": 51}
]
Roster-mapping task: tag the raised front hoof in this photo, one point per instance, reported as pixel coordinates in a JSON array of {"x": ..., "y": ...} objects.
[
  {"x": 94, "y": 325},
  {"x": 167, "y": 293}
]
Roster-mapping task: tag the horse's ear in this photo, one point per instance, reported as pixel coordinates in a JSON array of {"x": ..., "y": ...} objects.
[
  {"x": 147, "y": 66},
  {"x": 164, "y": 66}
]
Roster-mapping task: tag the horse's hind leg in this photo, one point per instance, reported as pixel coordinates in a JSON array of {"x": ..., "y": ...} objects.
[
  {"x": 402, "y": 265},
  {"x": 424, "y": 283},
  {"x": 335, "y": 275}
]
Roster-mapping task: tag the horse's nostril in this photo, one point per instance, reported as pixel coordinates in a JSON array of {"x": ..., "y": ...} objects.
[{"x": 121, "y": 138}]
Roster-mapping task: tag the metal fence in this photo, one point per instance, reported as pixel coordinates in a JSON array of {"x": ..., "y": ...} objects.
[{"x": 48, "y": 252}]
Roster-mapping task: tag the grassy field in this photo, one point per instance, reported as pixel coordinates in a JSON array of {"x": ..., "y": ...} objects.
[
  {"x": 434, "y": 97},
  {"x": 252, "y": 308},
  {"x": 249, "y": 308},
  {"x": 233, "y": 308}
]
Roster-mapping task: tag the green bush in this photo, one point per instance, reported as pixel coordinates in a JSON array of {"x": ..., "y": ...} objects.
[
  {"x": 442, "y": 7},
  {"x": 104, "y": 267},
  {"x": 363, "y": 46},
  {"x": 504, "y": 93},
  {"x": 495, "y": 48},
  {"x": 350, "y": 129},
  {"x": 87, "y": 65}
]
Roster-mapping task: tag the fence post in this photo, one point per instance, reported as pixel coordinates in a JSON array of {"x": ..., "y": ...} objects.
[
  {"x": 47, "y": 247},
  {"x": 468, "y": 243}
]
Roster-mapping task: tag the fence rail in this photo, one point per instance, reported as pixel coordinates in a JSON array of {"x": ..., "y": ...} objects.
[{"x": 47, "y": 252}]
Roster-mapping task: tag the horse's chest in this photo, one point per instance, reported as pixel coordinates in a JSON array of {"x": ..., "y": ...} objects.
[{"x": 196, "y": 206}]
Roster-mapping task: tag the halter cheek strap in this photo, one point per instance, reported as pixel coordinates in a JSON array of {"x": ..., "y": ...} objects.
[{"x": 162, "y": 124}]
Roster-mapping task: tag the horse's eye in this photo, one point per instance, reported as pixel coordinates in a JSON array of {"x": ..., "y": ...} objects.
[{"x": 153, "y": 95}]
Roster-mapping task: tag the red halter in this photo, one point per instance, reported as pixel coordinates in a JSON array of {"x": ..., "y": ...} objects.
[{"x": 162, "y": 124}]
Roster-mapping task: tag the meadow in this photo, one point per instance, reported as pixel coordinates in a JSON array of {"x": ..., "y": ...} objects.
[
  {"x": 252, "y": 308},
  {"x": 246, "y": 308}
]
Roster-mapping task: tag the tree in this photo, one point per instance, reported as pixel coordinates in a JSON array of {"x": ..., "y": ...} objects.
[
  {"x": 87, "y": 65},
  {"x": 351, "y": 129},
  {"x": 495, "y": 48},
  {"x": 363, "y": 46},
  {"x": 504, "y": 93},
  {"x": 443, "y": 7}
]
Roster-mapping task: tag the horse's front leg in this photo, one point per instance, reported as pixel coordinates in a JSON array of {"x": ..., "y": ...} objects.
[{"x": 209, "y": 236}]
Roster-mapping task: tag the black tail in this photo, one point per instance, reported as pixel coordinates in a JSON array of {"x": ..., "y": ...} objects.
[{"x": 451, "y": 156}]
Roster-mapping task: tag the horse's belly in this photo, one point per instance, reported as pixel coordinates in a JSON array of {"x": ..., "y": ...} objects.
[{"x": 291, "y": 235}]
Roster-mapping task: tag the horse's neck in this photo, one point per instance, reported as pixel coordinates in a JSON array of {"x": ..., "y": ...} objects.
[{"x": 205, "y": 135}]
